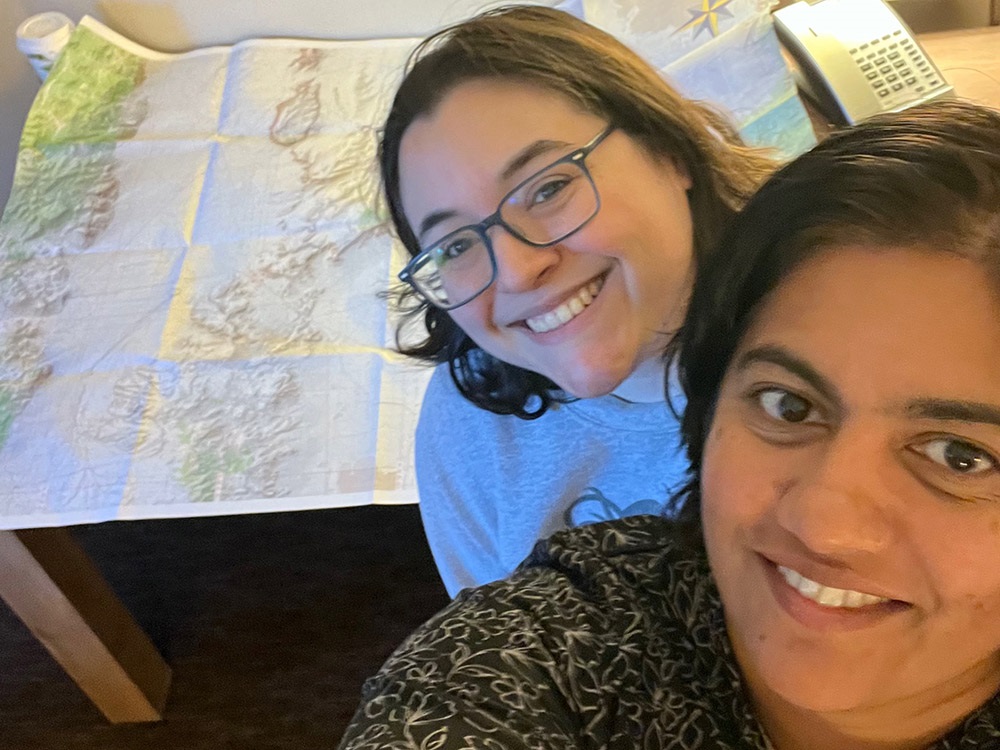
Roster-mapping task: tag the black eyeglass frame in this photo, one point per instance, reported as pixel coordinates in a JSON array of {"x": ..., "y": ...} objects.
[{"x": 577, "y": 157}]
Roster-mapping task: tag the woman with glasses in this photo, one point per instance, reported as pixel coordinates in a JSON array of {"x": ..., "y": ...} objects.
[
  {"x": 833, "y": 579},
  {"x": 555, "y": 195}
]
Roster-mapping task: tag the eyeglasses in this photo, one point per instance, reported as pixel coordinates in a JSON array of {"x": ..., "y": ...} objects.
[{"x": 544, "y": 209}]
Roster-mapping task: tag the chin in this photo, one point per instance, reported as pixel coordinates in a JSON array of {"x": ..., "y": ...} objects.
[
  {"x": 594, "y": 384},
  {"x": 586, "y": 392},
  {"x": 818, "y": 690}
]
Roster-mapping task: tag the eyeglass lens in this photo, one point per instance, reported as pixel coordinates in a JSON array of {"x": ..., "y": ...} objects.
[{"x": 543, "y": 210}]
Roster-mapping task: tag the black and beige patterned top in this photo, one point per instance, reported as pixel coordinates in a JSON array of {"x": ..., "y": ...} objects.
[{"x": 609, "y": 636}]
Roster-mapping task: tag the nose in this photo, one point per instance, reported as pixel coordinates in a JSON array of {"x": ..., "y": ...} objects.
[
  {"x": 521, "y": 267},
  {"x": 838, "y": 507}
]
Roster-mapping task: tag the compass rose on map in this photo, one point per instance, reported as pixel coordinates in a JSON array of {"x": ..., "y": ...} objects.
[{"x": 707, "y": 18}]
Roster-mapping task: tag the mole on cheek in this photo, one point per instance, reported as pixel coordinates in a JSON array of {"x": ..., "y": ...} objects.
[
  {"x": 975, "y": 602},
  {"x": 782, "y": 486}
]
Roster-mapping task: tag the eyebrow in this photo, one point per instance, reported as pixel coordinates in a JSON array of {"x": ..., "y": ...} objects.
[
  {"x": 924, "y": 408},
  {"x": 529, "y": 153},
  {"x": 783, "y": 358},
  {"x": 525, "y": 156},
  {"x": 962, "y": 411},
  {"x": 432, "y": 220}
]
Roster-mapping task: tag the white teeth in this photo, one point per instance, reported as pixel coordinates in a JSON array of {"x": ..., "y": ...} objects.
[
  {"x": 827, "y": 595},
  {"x": 567, "y": 310}
]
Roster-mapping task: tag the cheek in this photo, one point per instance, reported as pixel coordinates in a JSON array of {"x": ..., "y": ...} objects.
[
  {"x": 975, "y": 625},
  {"x": 719, "y": 480},
  {"x": 654, "y": 232},
  {"x": 476, "y": 320},
  {"x": 473, "y": 318},
  {"x": 967, "y": 563},
  {"x": 725, "y": 514},
  {"x": 740, "y": 481},
  {"x": 723, "y": 465}
]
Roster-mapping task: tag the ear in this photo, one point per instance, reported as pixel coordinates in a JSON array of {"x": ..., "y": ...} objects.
[
  {"x": 683, "y": 173},
  {"x": 676, "y": 169}
]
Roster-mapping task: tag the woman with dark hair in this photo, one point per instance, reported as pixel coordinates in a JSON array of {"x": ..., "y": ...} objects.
[
  {"x": 554, "y": 193},
  {"x": 833, "y": 580}
]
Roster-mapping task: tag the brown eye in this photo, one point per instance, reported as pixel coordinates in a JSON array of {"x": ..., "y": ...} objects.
[
  {"x": 958, "y": 455},
  {"x": 547, "y": 191},
  {"x": 784, "y": 405}
]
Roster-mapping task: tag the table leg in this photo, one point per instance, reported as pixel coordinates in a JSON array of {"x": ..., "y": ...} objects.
[{"x": 51, "y": 584}]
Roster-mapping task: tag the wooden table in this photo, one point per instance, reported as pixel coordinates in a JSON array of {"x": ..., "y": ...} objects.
[
  {"x": 51, "y": 584},
  {"x": 970, "y": 61}
]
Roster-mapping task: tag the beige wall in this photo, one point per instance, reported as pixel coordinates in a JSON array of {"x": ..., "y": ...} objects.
[{"x": 940, "y": 15}]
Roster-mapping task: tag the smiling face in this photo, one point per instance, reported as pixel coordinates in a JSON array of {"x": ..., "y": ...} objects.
[
  {"x": 589, "y": 310},
  {"x": 851, "y": 493}
]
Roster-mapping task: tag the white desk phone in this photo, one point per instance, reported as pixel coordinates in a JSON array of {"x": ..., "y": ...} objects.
[{"x": 856, "y": 58}]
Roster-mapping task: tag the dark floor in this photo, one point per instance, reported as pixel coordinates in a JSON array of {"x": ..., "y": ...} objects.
[{"x": 270, "y": 623}]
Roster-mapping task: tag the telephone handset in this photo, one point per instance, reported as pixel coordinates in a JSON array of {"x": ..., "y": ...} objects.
[{"x": 856, "y": 58}]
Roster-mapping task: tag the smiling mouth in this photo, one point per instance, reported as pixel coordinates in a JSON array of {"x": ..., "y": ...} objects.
[
  {"x": 568, "y": 310},
  {"x": 827, "y": 596}
]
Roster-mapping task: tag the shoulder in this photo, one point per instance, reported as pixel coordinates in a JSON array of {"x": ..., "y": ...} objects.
[
  {"x": 445, "y": 409},
  {"x": 620, "y": 581},
  {"x": 643, "y": 569},
  {"x": 620, "y": 542},
  {"x": 443, "y": 402},
  {"x": 441, "y": 388},
  {"x": 537, "y": 659},
  {"x": 646, "y": 563}
]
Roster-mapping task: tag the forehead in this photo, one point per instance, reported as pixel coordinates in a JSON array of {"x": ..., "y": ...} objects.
[
  {"x": 455, "y": 155},
  {"x": 894, "y": 323}
]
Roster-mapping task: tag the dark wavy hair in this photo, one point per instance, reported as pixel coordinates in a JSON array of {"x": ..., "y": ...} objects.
[
  {"x": 927, "y": 177},
  {"x": 599, "y": 74}
]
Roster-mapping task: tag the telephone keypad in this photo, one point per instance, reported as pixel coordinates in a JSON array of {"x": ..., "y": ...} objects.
[{"x": 892, "y": 63}]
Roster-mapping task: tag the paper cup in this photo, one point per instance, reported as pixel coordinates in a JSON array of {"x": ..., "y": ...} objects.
[{"x": 41, "y": 38}]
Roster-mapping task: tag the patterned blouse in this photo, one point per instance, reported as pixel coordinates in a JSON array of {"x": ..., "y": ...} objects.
[{"x": 608, "y": 636}]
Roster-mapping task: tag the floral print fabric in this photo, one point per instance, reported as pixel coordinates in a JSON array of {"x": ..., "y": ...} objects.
[{"x": 609, "y": 636}]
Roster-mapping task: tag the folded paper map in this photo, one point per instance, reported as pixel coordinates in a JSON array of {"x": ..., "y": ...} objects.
[
  {"x": 190, "y": 269},
  {"x": 193, "y": 268}
]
